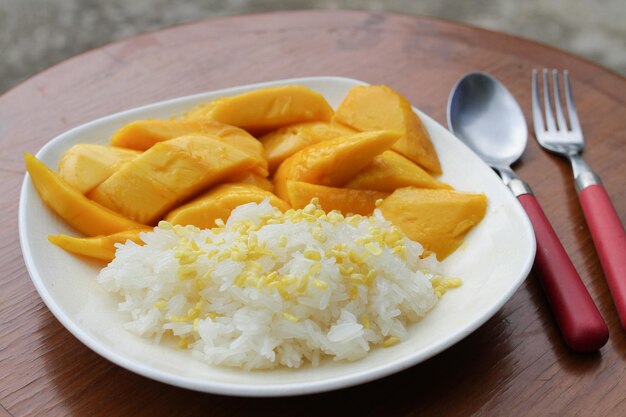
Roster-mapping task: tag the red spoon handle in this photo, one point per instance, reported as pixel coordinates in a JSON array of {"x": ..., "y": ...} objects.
[
  {"x": 609, "y": 239},
  {"x": 581, "y": 324}
]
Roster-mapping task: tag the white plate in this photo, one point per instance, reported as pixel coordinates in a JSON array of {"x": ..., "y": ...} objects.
[{"x": 493, "y": 262}]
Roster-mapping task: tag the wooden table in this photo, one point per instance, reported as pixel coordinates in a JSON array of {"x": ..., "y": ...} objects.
[{"x": 515, "y": 364}]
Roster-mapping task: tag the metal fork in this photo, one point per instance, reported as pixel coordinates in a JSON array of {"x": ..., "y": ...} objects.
[{"x": 566, "y": 139}]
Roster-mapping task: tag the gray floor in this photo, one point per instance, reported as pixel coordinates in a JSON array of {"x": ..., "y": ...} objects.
[{"x": 35, "y": 34}]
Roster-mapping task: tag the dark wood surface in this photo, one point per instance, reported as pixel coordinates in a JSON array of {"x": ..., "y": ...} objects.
[{"x": 515, "y": 364}]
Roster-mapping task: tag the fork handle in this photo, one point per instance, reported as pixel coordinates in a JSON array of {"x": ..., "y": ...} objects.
[
  {"x": 609, "y": 239},
  {"x": 581, "y": 324}
]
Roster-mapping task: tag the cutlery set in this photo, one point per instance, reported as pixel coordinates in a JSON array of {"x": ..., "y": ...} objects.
[{"x": 484, "y": 115}]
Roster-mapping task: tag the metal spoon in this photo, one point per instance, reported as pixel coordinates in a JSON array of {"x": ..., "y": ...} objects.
[{"x": 484, "y": 115}]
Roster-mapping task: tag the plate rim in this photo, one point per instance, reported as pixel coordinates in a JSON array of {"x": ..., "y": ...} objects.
[{"x": 237, "y": 388}]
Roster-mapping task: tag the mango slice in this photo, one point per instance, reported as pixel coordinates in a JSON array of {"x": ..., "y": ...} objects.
[
  {"x": 143, "y": 134},
  {"x": 85, "y": 166},
  {"x": 249, "y": 177},
  {"x": 167, "y": 174},
  {"x": 218, "y": 202},
  {"x": 331, "y": 198},
  {"x": 77, "y": 210},
  {"x": 379, "y": 107},
  {"x": 438, "y": 219},
  {"x": 332, "y": 162},
  {"x": 99, "y": 247},
  {"x": 266, "y": 109},
  {"x": 284, "y": 142},
  {"x": 389, "y": 171}
]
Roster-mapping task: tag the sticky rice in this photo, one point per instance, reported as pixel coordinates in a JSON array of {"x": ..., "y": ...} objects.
[{"x": 268, "y": 289}]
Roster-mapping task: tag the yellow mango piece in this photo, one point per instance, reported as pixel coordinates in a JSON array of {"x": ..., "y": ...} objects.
[
  {"x": 389, "y": 171},
  {"x": 84, "y": 166},
  {"x": 266, "y": 109},
  {"x": 284, "y": 142},
  {"x": 377, "y": 107},
  {"x": 77, "y": 210},
  {"x": 167, "y": 174},
  {"x": 343, "y": 199},
  {"x": 99, "y": 247},
  {"x": 218, "y": 202},
  {"x": 332, "y": 162},
  {"x": 143, "y": 134},
  {"x": 438, "y": 219},
  {"x": 249, "y": 177}
]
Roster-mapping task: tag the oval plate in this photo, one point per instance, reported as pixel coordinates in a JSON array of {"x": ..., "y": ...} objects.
[{"x": 493, "y": 262}]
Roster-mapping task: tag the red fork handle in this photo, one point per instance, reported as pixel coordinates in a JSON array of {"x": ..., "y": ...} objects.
[
  {"x": 609, "y": 239},
  {"x": 581, "y": 324}
]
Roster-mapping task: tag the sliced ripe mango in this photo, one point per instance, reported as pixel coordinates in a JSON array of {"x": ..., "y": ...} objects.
[
  {"x": 389, "y": 171},
  {"x": 167, "y": 174},
  {"x": 266, "y": 109},
  {"x": 438, "y": 219},
  {"x": 332, "y": 162},
  {"x": 378, "y": 107},
  {"x": 284, "y": 142},
  {"x": 331, "y": 198},
  {"x": 99, "y": 247},
  {"x": 218, "y": 202},
  {"x": 77, "y": 210},
  {"x": 249, "y": 177},
  {"x": 84, "y": 166},
  {"x": 143, "y": 134}
]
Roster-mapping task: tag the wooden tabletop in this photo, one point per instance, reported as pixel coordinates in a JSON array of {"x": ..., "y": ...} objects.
[{"x": 515, "y": 364}]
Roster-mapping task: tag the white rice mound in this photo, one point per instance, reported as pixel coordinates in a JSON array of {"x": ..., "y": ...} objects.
[{"x": 269, "y": 289}]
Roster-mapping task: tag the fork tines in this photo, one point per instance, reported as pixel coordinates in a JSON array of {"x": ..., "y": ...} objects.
[
  {"x": 550, "y": 125},
  {"x": 555, "y": 135}
]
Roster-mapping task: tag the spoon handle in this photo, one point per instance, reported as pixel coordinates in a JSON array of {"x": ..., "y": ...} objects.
[
  {"x": 609, "y": 239},
  {"x": 581, "y": 324}
]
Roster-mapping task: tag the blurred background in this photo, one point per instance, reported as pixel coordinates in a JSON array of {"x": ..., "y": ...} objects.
[{"x": 35, "y": 34}]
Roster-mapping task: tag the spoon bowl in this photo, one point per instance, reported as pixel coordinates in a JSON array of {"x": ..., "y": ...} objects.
[{"x": 486, "y": 117}]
